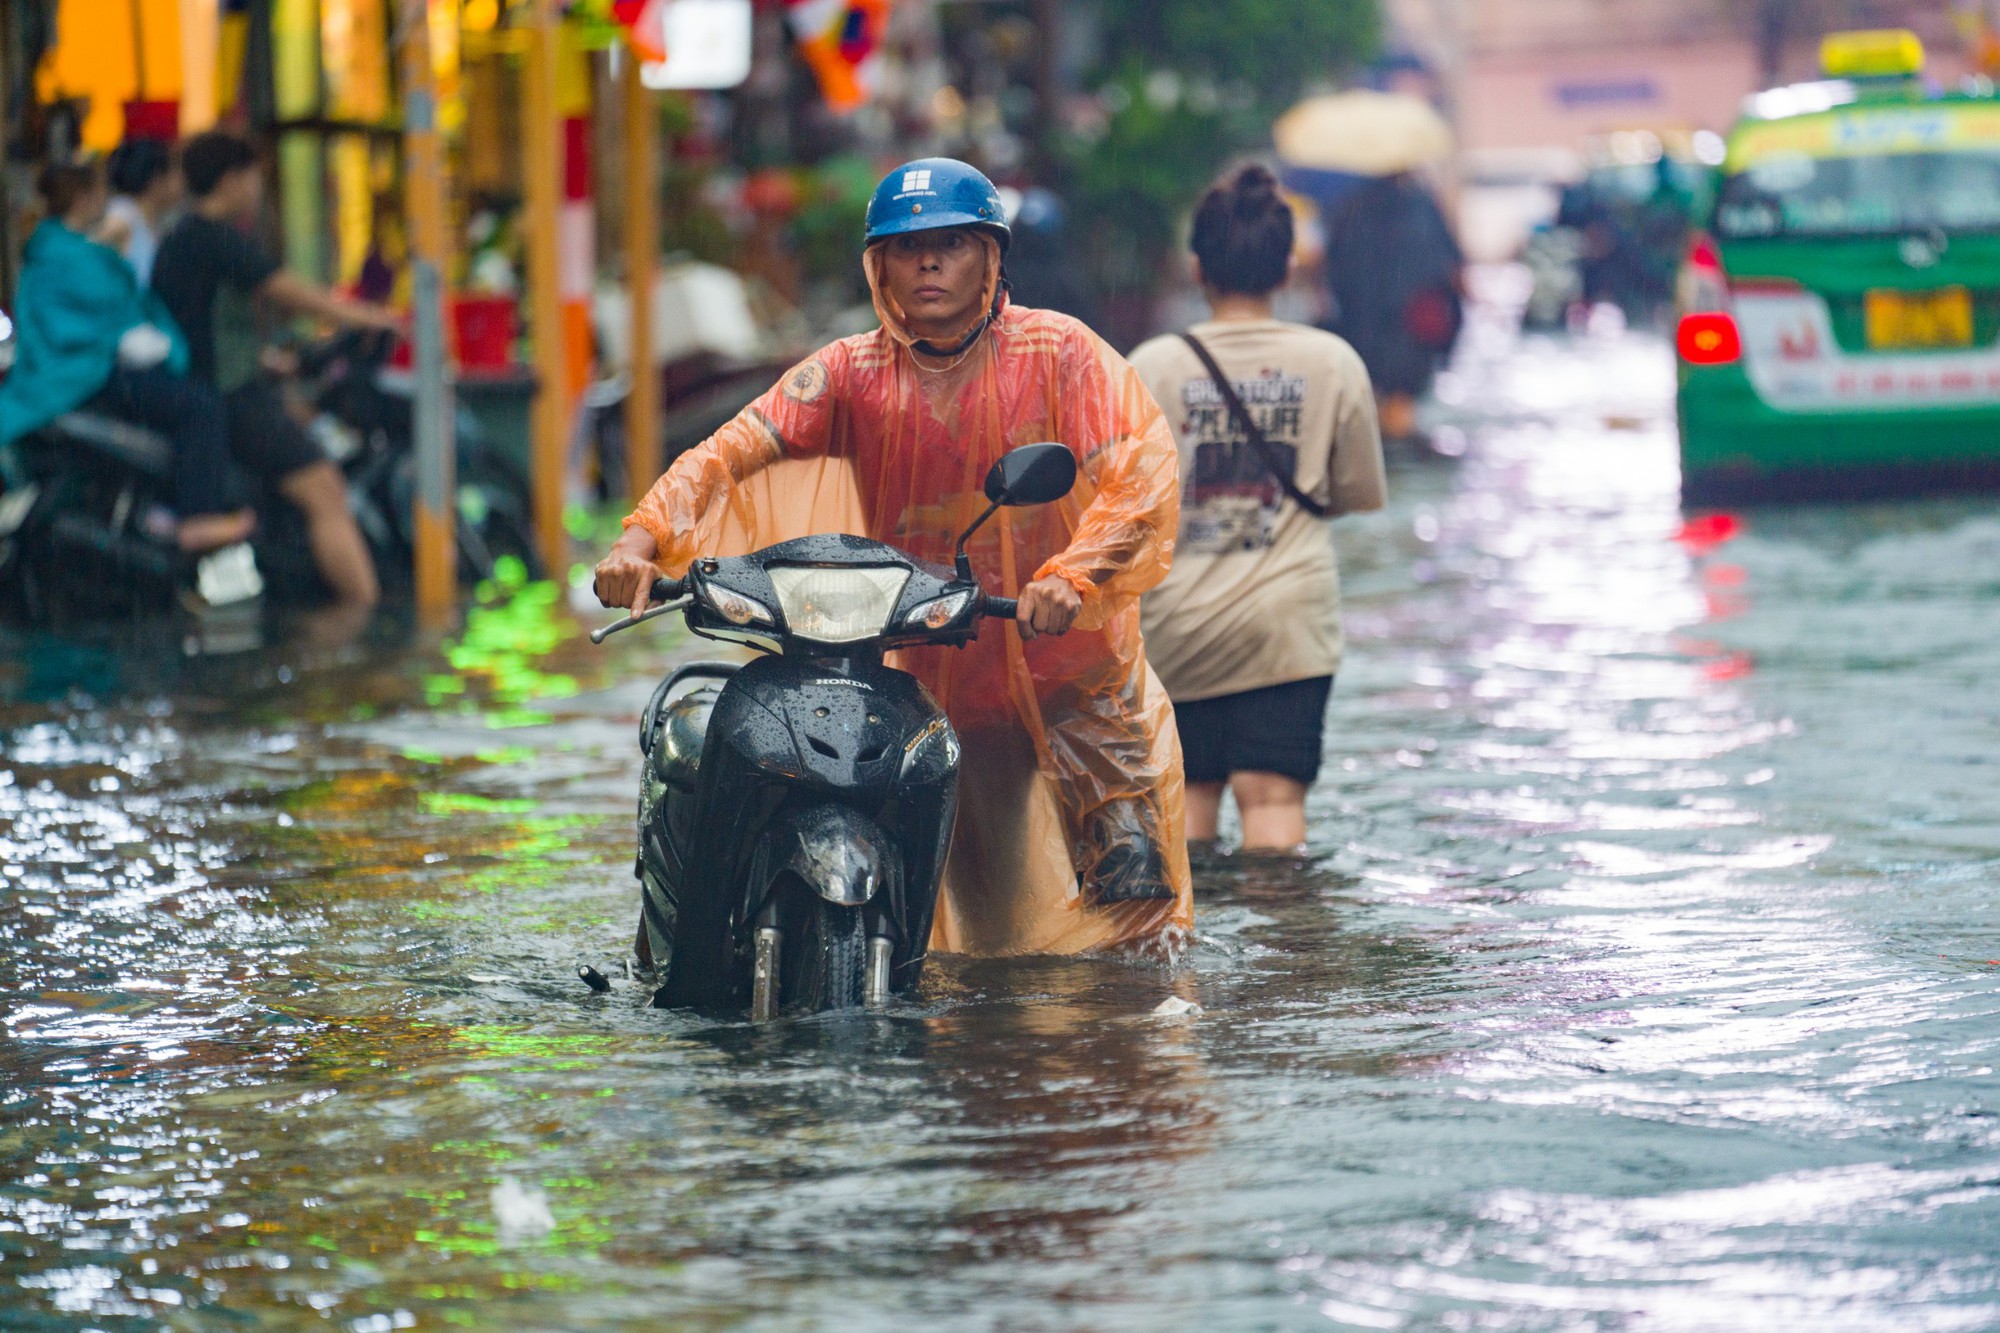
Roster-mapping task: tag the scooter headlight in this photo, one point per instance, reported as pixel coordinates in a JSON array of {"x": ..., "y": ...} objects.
[
  {"x": 735, "y": 608},
  {"x": 939, "y": 611},
  {"x": 838, "y": 605}
]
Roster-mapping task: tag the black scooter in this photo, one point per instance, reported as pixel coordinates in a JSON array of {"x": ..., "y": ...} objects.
[
  {"x": 85, "y": 517},
  {"x": 795, "y": 813}
]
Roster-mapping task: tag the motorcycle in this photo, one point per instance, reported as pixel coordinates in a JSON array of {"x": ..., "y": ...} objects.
[
  {"x": 365, "y": 422},
  {"x": 795, "y": 812},
  {"x": 86, "y": 513}
]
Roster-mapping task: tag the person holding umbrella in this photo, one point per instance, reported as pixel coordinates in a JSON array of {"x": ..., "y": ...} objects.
[{"x": 1393, "y": 269}]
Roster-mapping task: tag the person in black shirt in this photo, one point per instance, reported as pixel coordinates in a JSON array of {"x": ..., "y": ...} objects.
[{"x": 210, "y": 273}]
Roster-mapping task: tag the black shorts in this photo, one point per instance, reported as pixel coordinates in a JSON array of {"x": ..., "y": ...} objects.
[
  {"x": 263, "y": 438},
  {"x": 1277, "y": 729}
]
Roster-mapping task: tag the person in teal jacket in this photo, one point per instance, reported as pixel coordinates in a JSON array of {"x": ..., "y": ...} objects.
[{"x": 85, "y": 334}]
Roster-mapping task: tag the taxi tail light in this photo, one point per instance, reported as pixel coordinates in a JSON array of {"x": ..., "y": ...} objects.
[{"x": 1709, "y": 338}]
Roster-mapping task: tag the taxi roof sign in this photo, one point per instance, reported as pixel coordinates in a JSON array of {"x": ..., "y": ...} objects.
[{"x": 1875, "y": 53}]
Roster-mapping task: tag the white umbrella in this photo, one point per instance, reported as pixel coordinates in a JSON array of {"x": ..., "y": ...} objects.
[{"x": 1364, "y": 133}]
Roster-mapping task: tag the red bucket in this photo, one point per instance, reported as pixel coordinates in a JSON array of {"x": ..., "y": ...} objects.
[{"x": 484, "y": 327}]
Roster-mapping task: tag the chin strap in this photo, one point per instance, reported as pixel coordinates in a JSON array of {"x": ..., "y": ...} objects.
[
  {"x": 964, "y": 344},
  {"x": 956, "y": 349}
]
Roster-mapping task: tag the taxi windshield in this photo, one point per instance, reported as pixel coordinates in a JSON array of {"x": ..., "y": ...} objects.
[{"x": 1806, "y": 194}]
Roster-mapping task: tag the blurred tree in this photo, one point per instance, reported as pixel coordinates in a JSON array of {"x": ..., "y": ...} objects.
[
  {"x": 1181, "y": 87},
  {"x": 1269, "y": 45}
]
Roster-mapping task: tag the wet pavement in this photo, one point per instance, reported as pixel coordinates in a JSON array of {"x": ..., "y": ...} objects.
[{"x": 1643, "y": 975}]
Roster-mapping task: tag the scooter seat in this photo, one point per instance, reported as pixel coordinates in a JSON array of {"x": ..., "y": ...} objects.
[{"x": 135, "y": 446}]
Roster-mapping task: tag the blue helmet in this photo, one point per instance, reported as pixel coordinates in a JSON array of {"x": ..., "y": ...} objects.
[{"x": 935, "y": 192}]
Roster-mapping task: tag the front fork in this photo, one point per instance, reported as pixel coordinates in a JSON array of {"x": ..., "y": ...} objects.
[
  {"x": 875, "y": 981},
  {"x": 764, "y": 980},
  {"x": 764, "y": 971}
]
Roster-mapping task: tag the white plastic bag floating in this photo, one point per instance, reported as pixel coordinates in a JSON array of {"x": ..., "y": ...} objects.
[{"x": 521, "y": 1213}]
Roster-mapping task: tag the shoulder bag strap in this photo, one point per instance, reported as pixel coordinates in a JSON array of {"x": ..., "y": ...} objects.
[{"x": 1267, "y": 453}]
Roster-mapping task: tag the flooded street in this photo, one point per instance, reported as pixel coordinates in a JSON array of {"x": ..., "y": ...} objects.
[{"x": 1643, "y": 977}]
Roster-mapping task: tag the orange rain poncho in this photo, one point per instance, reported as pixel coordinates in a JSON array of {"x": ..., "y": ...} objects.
[{"x": 1069, "y": 743}]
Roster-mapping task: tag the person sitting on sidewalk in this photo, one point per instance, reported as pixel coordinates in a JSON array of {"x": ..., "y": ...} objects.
[
  {"x": 1276, "y": 428},
  {"x": 85, "y": 334},
  {"x": 210, "y": 272}
]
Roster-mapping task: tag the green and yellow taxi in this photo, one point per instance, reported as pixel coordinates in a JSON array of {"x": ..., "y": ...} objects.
[{"x": 1839, "y": 332}]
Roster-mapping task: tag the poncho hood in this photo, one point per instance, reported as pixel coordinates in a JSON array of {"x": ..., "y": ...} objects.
[{"x": 896, "y": 323}]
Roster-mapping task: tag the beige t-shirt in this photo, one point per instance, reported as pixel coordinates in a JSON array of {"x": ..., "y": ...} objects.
[{"x": 1254, "y": 595}]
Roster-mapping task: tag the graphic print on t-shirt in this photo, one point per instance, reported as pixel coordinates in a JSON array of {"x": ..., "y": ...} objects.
[{"x": 1229, "y": 502}]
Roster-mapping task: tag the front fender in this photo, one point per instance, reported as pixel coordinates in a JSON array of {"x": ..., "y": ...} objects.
[{"x": 840, "y": 853}]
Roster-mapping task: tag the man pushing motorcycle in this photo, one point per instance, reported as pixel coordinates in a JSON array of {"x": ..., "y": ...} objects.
[{"x": 1069, "y": 827}]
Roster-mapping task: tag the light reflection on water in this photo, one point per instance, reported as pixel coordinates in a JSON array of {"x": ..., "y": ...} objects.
[{"x": 1640, "y": 979}]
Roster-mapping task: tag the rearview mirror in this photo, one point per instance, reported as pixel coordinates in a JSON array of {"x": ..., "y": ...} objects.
[{"x": 1034, "y": 474}]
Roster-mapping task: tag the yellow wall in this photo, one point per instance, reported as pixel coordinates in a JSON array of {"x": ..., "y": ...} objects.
[
  {"x": 201, "y": 41},
  {"x": 94, "y": 58}
]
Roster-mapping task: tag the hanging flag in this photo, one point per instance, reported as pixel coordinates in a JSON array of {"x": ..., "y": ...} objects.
[
  {"x": 645, "y": 25},
  {"x": 838, "y": 40},
  {"x": 647, "y": 28}
]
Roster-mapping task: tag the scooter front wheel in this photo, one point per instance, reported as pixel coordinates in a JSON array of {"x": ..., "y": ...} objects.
[{"x": 825, "y": 958}]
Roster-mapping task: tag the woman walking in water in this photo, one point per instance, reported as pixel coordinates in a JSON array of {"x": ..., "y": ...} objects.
[{"x": 1276, "y": 429}]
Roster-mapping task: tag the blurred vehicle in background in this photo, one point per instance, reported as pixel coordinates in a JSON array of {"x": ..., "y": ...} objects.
[
  {"x": 1507, "y": 196},
  {"x": 1620, "y": 231},
  {"x": 85, "y": 519},
  {"x": 1840, "y": 325}
]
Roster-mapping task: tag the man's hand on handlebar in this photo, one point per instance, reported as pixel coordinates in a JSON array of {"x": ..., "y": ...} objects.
[
  {"x": 625, "y": 576},
  {"x": 1048, "y": 606}
]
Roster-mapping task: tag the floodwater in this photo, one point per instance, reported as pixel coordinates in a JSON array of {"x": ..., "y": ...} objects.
[{"x": 1642, "y": 975}]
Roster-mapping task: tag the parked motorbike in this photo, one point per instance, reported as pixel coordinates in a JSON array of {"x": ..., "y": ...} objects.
[
  {"x": 86, "y": 518},
  {"x": 795, "y": 812},
  {"x": 366, "y": 423},
  {"x": 87, "y": 528}
]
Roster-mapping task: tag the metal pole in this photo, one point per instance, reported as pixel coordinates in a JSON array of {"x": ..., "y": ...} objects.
[
  {"x": 424, "y": 204},
  {"x": 642, "y": 244},
  {"x": 541, "y": 151}
]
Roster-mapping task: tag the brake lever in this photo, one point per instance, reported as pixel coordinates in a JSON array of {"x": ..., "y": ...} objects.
[{"x": 601, "y": 634}]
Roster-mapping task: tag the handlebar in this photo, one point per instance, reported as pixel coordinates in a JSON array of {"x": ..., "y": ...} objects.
[
  {"x": 665, "y": 595},
  {"x": 371, "y": 347}
]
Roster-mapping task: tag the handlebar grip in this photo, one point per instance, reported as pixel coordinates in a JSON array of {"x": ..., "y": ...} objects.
[
  {"x": 1000, "y": 608},
  {"x": 666, "y": 590}
]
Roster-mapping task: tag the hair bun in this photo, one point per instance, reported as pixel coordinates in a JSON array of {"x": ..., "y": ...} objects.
[
  {"x": 1255, "y": 184},
  {"x": 1243, "y": 232}
]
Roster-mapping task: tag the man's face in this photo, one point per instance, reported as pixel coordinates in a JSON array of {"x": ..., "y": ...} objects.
[
  {"x": 937, "y": 278},
  {"x": 242, "y": 191}
]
